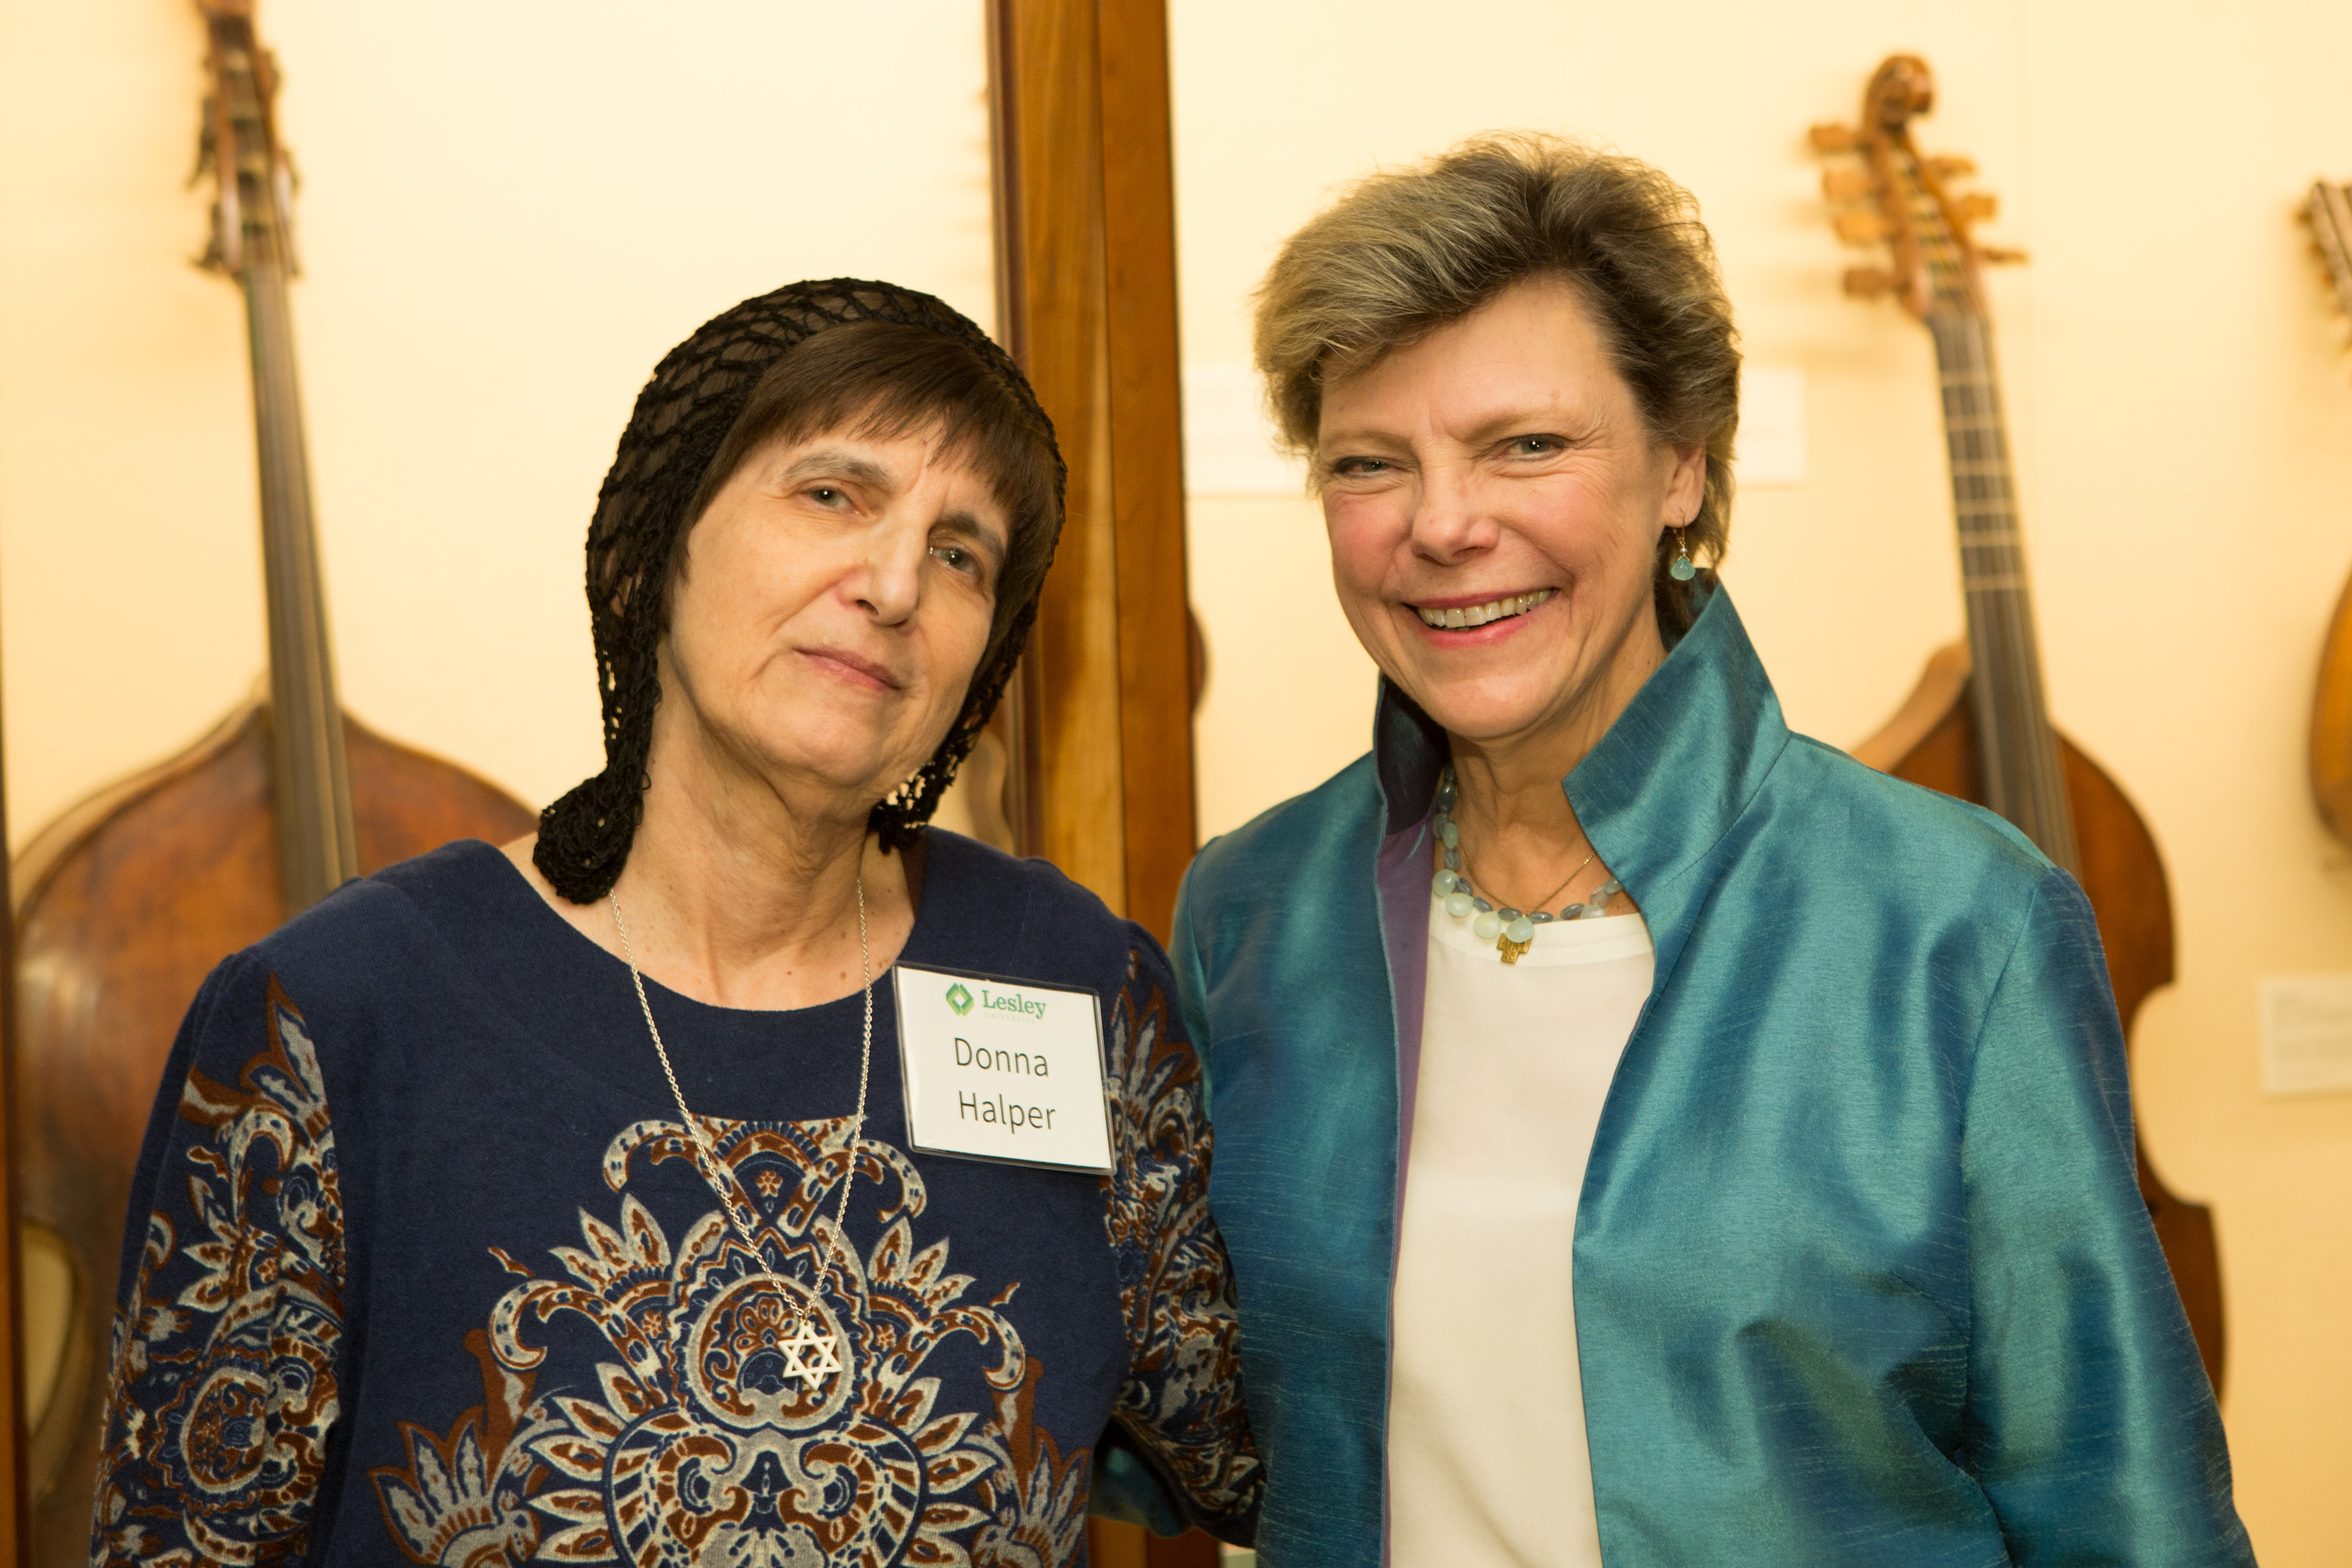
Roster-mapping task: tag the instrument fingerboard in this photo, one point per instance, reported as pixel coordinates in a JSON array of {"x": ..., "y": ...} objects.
[
  {"x": 1934, "y": 272},
  {"x": 2024, "y": 781},
  {"x": 252, "y": 241}
]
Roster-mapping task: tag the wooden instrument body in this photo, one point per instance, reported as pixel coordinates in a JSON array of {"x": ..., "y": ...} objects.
[
  {"x": 2328, "y": 211},
  {"x": 2331, "y": 723},
  {"x": 123, "y": 906},
  {"x": 1978, "y": 726},
  {"x": 1932, "y": 741}
]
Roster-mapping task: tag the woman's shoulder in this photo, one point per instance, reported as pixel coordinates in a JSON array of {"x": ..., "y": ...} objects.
[
  {"x": 965, "y": 871},
  {"x": 332, "y": 987},
  {"x": 1824, "y": 793},
  {"x": 1295, "y": 833},
  {"x": 461, "y": 882},
  {"x": 983, "y": 907},
  {"x": 391, "y": 927}
]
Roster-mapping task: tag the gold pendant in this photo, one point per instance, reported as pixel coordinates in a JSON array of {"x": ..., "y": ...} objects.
[{"x": 1511, "y": 949}]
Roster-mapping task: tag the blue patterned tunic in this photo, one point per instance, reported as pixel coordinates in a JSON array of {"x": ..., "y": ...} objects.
[{"x": 420, "y": 1268}]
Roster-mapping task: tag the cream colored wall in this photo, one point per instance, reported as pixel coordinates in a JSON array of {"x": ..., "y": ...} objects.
[
  {"x": 2182, "y": 410},
  {"x": 509, "y": 212}
]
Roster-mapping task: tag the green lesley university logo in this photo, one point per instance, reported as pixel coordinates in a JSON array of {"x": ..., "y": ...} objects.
[{"x": 988, "y": 1001}]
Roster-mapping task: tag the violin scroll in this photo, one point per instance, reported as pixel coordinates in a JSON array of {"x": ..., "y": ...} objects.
[{"x": 1906, "y": 200}]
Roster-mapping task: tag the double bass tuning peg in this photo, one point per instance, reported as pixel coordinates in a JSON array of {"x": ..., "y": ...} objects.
[
  {"x": 1977, "y": 206},
  {"x": 1831, "y": 137},
  {"x": 1868, "y": 282},
  {"x": 1846, "y": 184},
  {"x": 1859, "y": 227}
]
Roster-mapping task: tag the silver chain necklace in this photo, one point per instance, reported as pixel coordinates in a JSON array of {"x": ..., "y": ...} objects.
[{"x": 826, "y": 1348}]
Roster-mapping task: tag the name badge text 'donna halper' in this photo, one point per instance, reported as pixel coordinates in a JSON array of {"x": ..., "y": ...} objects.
[{"x": 1002, "y": 1070}]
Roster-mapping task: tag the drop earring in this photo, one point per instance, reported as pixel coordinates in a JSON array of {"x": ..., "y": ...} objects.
[{"x": 1681, "y": 570}]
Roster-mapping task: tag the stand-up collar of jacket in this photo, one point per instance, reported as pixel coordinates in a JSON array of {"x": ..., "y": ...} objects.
[{"x": 1656, "y": 795}]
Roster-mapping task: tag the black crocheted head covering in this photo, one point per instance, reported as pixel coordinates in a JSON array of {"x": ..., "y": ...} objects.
[{"x": 682, "y": 419}]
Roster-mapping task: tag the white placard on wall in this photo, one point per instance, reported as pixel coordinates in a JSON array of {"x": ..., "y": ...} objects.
[{"x": 2307, "y": 1033}]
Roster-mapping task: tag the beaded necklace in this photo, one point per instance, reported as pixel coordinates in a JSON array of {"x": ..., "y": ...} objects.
[{"x": 1511, "y": 932}]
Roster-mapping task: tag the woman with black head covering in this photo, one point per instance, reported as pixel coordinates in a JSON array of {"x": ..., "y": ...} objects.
[{"x": 726, "y": 1175}]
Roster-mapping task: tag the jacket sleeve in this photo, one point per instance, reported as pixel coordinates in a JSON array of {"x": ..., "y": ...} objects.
[
  {"x": 1180, "y": 1452},
  {"x": 2091, "y": 1424},
  {"x": 222, "y": 1373},
  {"x": 1193, "y": 984}
]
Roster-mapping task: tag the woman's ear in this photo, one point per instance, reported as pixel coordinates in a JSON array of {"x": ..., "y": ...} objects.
[{"x": 1686, "y": 486}]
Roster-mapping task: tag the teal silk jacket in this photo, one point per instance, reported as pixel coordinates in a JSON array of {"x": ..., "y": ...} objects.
[{"x": 1862, "y": 1274}]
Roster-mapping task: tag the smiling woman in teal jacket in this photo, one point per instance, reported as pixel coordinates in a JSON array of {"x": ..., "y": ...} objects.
[{"x": 1764, "y": 1191}]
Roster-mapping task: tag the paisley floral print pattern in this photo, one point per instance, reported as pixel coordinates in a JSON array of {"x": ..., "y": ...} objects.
[
  {"x": 1183, "y": 1400},
  {"x": 763, "y": 1392},
  {"x": 765, "y": 1407},
  {"x": 225, "y": 1370}
]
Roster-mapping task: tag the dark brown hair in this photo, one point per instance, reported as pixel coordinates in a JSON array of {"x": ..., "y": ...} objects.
[
  {"x": 883, "y": 380},
  {"x": 825, "y": 355}
]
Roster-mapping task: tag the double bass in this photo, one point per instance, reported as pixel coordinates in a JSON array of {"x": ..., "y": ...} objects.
[
  {"x": 1977, "y": 724},
  {"x": 127, "y": 900}
]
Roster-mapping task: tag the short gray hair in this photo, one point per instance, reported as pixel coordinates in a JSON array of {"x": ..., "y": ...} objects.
[{"x": 1407, "y": 251}]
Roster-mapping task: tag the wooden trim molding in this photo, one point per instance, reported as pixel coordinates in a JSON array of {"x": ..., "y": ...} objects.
[
  {"x": 1086, "y": 301},
  {"x": 1101, "y": 780},
  {"x": 1148, "y": 459}
]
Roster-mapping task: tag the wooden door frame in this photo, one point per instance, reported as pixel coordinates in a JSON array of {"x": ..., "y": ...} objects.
[
  {"x": 1086, "y": 251},
  {"x": 1101, "y": 778}
]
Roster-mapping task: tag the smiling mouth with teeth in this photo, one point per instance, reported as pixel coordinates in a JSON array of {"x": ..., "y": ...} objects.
[{"x": 1464, "y": 616}]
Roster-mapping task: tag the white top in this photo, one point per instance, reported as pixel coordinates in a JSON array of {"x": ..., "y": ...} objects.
[{"x": 1488, "y": 1463}]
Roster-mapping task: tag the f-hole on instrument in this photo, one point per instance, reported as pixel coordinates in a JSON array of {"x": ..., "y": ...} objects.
[{"x": 1977, "y": 724}]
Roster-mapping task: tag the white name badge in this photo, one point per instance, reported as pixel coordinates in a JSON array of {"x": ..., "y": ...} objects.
[{"x": 1002, "y": 1070}]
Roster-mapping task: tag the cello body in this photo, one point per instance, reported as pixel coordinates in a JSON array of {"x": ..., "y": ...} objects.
[
  {"x": 1932, "y": 741},
  {"x": 123, "y": 906}
]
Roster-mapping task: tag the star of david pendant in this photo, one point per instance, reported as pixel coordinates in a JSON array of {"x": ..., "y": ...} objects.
[
  {"x": 809, "y": 1355},
  {"x": 1511, "y": 949},
  {"x": 764, "y": 1350}
]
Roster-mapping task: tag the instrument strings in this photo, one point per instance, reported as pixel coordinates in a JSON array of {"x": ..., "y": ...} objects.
[
  {"x": 2024, "y": 780},
  {"x": 318, "y": 837}
]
